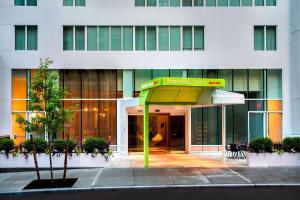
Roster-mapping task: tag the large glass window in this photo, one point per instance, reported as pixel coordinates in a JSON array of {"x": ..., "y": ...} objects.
[
  {"x": 103, "y": 38},
  {"x": 175, "y": 38},
  {"x": 174, "y": 3},
  {"x": 274, "y": 84},
  {"x": 151, "y": 38},
  {"x": 246, "y": 2},
  {"x": 32, "y": 38},
  {"x": 240, "y": 81},
  {"x": 92, "y": 38},
  {"x": 160, "y": 73},
  {"x": 256, "y": 84},
  {"x": 187, "y": 38},
  {"x": 28, "y": 2},
  {"x": 127, "y": 38},
  {"x": 259, "y": 38},
  {"x": 198, "y": 38},
  {"x": 140, "y": 77},
  {"x": 19, "y": 2},
  {"x": 234, "y": 3},
  {"x": 139, "y": 2},
  {"x": 31, "y": 2},
  {"x": 177, "y": 73},
  {"x": 140, "y": 38},
  {"x": 271, "y": 2},
  {"x": 227, "y": 75},
  {"x": 210, "y": 73},
  {"x": 68, "y": 38},
  {"x": 271, "y": 38},
  {"x": 187, "y": 3},
  {"x": 198, "y": 2},
  {"x": 211, "y": 3},
  {"x": 151, "y": 3},
  {"x": 195, "y": 73},
  {"x": 68, "y": 3},
  {"x": 79, "y": 38},
  {"x": 116, "y": 38},
  {"x": 163, "y": 3},
  {"x": 19, "y": 37},
  {"x": 79, "y": 2},
  {"x": 240, "y": 116},
  {"x": 222, "y": 2},
  {"x": 163, "y": 38},
  {"x": 259, "y": 2},
  {"x": 26, "y": 43}
]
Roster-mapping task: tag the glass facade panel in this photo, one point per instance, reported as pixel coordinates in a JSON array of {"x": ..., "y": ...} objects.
[
  {"x": 227, "y": 75},
  {"x": 271, "y": 2},
  {"x": 141, "y": 76},
  {"x": 256, "y": 125},
  {"x": 68, "y": 2},
  {"x": 275, "y": 127},
  {"x": 229, "y": 125},
  {"x": 163, "y": 38},
  {"x": 103, "y": 38},
  {"x": 31, "y": 2},
  {"x": 79, "y": 38},
  {"x": 271, "y": 38},
  {"x": 175, "y": 38},
  {"x": 274, "y": 84},
  {"x": 174, "y": 3},
  {"x": 19, "y": 2},
  {"x": 140, "y": 38},
  {"x": 196, "y": 126},
  {"x": 222, "y": 2},
  {"x": 210, "y": 73},
  {"x": 211, "y": 3},
  {"x": 19, "y": 89},
  {"x": 177, "y": 72},
  {"x": 151, "y": 3},
  {"x": 163, "y": 3},
  {"x": 194, "y": 73},
  {"x": 259, "y": 2},
  {"x": 127, "y": 38},
  {"x": 187, "y": 3},
  {"x": 140, "y": 2},
  {"x": 198, "y": 2},
  {"x": 198, "y": 38},
  {"x": 116, "y": 38},
  {"x": 32, "y": 38},
  {"x": 259, "y": 38},
  {"x": 240, "y": 84},
  {"x": 240, "y": 116},
  {"x": 187, "y": 38},
  {"x": 234, "y": 3},
  {"x": 92, "y": 38},
  {"x": 79, "y": 2},
  {"x": 160, "y": 73},
  {"x": 246, "y": 2},
  {"x": 256, "y": 84},
  {"x": 256, "y": 105},
  {"x": 68, "y": 38},
  {"x": 151, "y": 38},
  {"x": 19, "y": 37}
]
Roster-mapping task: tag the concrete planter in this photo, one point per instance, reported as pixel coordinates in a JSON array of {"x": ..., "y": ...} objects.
[
  {"x": 273, "y": 159},
  {"x": 75, "y": 161}
]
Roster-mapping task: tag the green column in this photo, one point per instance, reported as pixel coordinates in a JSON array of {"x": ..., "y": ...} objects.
[{"x": 146, "y": 135}]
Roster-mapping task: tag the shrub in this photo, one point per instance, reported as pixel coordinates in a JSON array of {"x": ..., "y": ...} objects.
[
  {"x": 60, "y": 145},
  {"x": 40, "y": 145},
  {"x": 91, "y": 144},
  {"x": 291, "y": 144},
  {"x": 261, "y": 145},
  {"x": 7, "y": 145}
]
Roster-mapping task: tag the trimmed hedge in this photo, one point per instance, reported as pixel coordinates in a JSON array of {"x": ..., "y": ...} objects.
[
  {"x": 60, "y": 145},
  {"x": 261, "y": 145},
  {"x": 93, "y": 144},
  {"x": 7, "y": 145},
  {"x": 291, "y": 144},
  {"x": 40, "y": 145}
]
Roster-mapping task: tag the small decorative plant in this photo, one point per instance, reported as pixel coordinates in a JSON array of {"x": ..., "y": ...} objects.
[
  {"x": 60, "y": 145},
  {"x": 7, "y": 145},
  {"x": 96, "y": 145},
  {"x": 40, "y": 145},
  {"x": 291, "y": 144},
  {"x": 261, "y": 145}
]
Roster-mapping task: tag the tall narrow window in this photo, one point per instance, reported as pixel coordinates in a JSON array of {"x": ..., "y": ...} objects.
[
  {"x": 151, "y": 38},
  {"x": 234, "y": 3},
  {"x": 103, "y": 38},
  {"x": 240, "y": 83},
  {"x": 175, "y": 38},
  {"x": 274, "y": 84},
  {"x": 92, "y": 38},
  {"x": 19, "y": 37},
  {"x": 271, "y": 38},
  {"x": 32, "y": 38},
  {"x": 127, "y": 38},
  {"x": 210, "y": 3},
  {"x": 140, "y": 38},
  {"x": 79, "y": 2},
  {"x": 174, "y": 3},
  {"x": 68, "y": 3},
  {"x": 198, "y": 38},
  {"x": 187, "y": 38},
  {"x": 271, "y": 3},
  {"x": 259, "y": 2},
  {"x": 19, "y": 2},
  {"x": 164, "y": 38},
  {"x": 116, "y": 38},
  {"x": 79, "y": 38},
  {"x": 246, "y": 2},
  {"x": 187, "y": 3},
  {"x": 139, "y": 2},
  {"x": 31, "y": 2},
  {"x": 259, "y": 38},
  {"x": 68, "y": 38},
  {"x": 222, "y": 3},
  {"x": 198, "y": 2},
  {"x": 163, "y": 3},
  {"x": 151, "y": 3}
]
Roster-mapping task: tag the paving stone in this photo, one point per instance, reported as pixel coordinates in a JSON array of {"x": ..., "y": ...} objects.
[
  {"x": 154, "y": 172},
  {"x": 189, "y": 180},
  {"x": 227, "y": 179},
  {"x": 114, "y": 181},
  {"x": 116, "y": 172},
  {"x": 151, "y": 180}
]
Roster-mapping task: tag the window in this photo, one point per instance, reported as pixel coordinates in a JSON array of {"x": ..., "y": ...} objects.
[
  {"x": 163, "y": 38},
  {"x": 139, "y": 2},
  {"x": 151, "y": 3},
  {"x": 198, "y": 38},
  {"x": 222, "y": 3},
  {"x": 259, "y": 2},
  {"x": 175, "y": 38},
  {"x": 256, "y": 84},
  {"x": 116, "y": 38},
  {"x": 187, "y": 38},
  {"x": 246, "y": 2},
  {"x": 103, "y": 38},
  {"x": 79, "y": 38},
  {"x": 271, "y": 3},
  {"x": 73, "y": 2},
  {"x": 151, "y": 38},
  {"x": 140, "y": 77},
  {"x": 174, "y": 3},
  {"x": 262, "y": 32},
  {"x": 210, "y": 3},
  {"x": 92, "y": 38},
  {"x": 68, "y": 38},
  {"x": 187, "y": 3},
  {"x": 274, "y": 84},
  {"x": 240, "y": 83},
  {"x": 198, "y": 2},
  {"x": 127, "y": 38},
  {"x": 140, "y": 38},
  {"x": 163, "y": 3},
  {"x": 26, "y": 38},
  {"x": 26, "y": 2},
  {"x": 234, "y": 3}
]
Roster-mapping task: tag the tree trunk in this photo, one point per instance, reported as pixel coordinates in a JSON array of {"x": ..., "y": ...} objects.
[
  {"x": 50, "y": 158},
  {"x": 35, "y": 160},
  {"x": 66, "y": 157}
]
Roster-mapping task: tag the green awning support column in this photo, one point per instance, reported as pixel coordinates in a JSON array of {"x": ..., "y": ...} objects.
[{"x": 146, "y": 135}]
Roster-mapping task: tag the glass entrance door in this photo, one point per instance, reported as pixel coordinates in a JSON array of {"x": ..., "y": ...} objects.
[{"x": 177, "y": 133}]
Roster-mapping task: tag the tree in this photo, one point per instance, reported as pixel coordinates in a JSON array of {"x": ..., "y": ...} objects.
[{"x": 46, "y": 101}]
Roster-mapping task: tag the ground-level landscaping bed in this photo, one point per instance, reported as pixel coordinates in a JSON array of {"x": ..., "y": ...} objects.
[{"x": 273, "y": 159}]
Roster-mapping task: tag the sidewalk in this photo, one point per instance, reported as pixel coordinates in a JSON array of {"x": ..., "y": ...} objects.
[{"x": 114, "y": 178}]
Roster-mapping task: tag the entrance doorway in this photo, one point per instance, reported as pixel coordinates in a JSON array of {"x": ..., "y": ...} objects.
[{"x": 166, "y": 133}]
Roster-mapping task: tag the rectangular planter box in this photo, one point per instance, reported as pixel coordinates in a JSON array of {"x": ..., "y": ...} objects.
[
  {"x": 273, "y": 159},
  {"x": 74, "y": 161}
]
